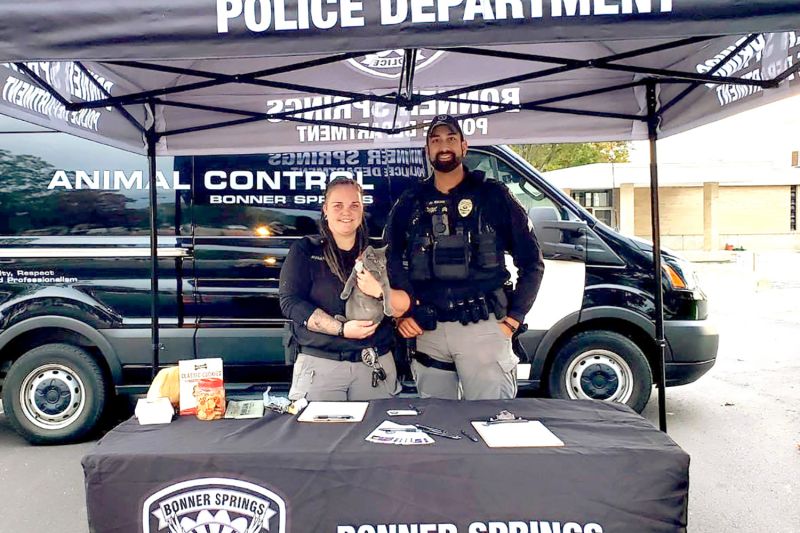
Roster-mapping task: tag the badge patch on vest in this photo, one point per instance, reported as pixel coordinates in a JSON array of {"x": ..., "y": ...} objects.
[{"x": 465, "y": 207}]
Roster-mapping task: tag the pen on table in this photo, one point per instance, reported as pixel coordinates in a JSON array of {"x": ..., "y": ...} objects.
[
  {"x": 493, "y": 421},
  {"x": 470, "y": 437},
  {"x": 430, "y": 430},
  {"x": 333, "y": 417}
]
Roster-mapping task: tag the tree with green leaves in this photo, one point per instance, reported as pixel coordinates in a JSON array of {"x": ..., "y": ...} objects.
[{"x": 546, "y": 157}]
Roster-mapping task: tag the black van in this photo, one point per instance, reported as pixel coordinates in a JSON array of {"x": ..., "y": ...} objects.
[{"x": 75, "y": 281}]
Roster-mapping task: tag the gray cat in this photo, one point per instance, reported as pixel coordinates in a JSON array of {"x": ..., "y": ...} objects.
[{"x": 360, "y": 306}]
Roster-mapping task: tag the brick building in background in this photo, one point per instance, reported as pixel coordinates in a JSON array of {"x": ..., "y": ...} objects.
[{"x": 703, "y": 206}]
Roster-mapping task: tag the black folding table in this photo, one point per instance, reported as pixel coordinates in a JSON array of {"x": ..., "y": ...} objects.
[{"x": 616, "y": 473}]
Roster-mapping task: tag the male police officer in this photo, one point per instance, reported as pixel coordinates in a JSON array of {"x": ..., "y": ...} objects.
[{"x": 447, "y": 240}]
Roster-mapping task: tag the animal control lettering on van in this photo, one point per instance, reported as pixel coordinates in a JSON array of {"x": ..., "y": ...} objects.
[{"x": 75, "y": 331}]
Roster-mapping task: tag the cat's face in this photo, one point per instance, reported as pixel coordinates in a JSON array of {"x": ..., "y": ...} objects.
[{"x": 375, "y": 259}]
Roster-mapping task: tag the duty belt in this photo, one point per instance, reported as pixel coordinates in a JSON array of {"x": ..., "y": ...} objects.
[
  {"x": 353, "y": 356},
  {"x": 474, "y": 308},
  {"x": 426, "y": 360}
]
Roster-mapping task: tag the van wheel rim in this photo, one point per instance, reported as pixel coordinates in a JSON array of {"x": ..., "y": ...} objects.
[
  {"x": 52, "y": 396},
  {"x": 600, "y": 375}
]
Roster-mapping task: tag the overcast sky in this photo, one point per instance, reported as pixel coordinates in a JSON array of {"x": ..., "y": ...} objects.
[{"x": 769, "y": 134}]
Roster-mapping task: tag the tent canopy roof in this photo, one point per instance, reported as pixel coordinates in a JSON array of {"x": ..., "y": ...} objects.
[
  {"x": 309, "y": 74},
  {"x": 92, "y": 30}
]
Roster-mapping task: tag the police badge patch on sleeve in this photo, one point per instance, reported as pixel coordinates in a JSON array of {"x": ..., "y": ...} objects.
[
  {"x": 465, "y": 207},
  {"x": 214, "y": 504}
]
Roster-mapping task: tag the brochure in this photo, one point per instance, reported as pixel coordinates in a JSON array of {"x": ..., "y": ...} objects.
[
  {"x": 245, "y": 409},
  {"x": 399, "y": 434}
]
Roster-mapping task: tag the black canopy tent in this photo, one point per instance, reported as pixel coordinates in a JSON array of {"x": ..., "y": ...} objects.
[{"x": 294, "y": 74}]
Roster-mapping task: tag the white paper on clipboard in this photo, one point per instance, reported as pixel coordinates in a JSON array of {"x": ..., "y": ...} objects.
[
  {"x": 334, "y": 412},
  {"x": 530, "y": 433}
]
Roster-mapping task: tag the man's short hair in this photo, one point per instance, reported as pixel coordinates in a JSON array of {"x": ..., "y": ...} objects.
[{"x": 444, "y": 120}]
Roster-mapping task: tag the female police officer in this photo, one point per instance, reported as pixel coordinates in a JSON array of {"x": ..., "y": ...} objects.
[
  {"x": 447, "y": 240},
  {"x": 337, "y": 360}
]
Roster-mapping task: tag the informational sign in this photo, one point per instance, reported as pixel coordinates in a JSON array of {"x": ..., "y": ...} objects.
[{"x": 281, "y": 16}]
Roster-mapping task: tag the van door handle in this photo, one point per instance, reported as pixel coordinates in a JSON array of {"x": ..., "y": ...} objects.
[{"x": 565, "y": 226}]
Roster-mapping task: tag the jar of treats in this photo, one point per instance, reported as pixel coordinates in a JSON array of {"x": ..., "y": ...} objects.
[{"x": 210, "y": 395}]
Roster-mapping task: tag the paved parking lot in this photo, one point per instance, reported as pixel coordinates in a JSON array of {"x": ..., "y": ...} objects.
[{"x": 740, "y": 423}]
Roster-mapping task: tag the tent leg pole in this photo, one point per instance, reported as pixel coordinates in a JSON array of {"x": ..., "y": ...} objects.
[
  {"x": 151, "y": 138},
  {"x": 660, "y": 371}
]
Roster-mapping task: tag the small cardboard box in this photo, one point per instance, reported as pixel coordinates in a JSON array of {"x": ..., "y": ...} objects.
[
  {"x": 191, "y": 372},
  {"x": 154, "y": 411}
]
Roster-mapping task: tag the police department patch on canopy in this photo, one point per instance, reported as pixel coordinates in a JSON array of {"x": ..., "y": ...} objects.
[{"x": 214, "y": 504}]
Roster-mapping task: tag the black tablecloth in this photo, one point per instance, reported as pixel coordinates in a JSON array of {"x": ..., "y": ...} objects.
[{"x": 616, "y": 473}]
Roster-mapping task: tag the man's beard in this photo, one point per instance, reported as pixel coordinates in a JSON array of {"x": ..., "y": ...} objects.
[{"x": 446, "y": 166}]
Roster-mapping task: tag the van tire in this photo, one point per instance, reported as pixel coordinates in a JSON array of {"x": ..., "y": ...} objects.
[
  {"x": 601, "y": 365},
  {"x": 54, "y": 393}
]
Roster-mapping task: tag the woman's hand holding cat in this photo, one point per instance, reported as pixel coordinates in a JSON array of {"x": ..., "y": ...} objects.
[
  {"x": 359, "y": 329},
  {"x": 368, "y": 284}
]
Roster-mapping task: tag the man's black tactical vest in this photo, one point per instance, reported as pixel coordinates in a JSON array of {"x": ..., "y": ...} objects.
[{"x": 454, "y": 251}]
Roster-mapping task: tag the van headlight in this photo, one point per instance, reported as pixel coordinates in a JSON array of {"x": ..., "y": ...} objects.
[{"x": 681, "y": 274}]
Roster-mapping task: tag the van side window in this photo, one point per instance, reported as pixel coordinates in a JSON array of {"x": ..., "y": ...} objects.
[
  {"x": 528, "y": 194},
  {"x": 230, "y": 203},
  {"x": 559, "y": 230},
  {"x": 281, "y": 194},
  {"x": 55, "y": 184}
]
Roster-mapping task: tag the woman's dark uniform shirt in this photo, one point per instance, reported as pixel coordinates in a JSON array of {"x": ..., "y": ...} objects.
[{"x": 307, "y": 284}]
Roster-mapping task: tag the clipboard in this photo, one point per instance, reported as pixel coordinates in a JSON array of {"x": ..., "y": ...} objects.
[
  {"x": 334, "y": 412},
  {"x": 519, "y": 434}
]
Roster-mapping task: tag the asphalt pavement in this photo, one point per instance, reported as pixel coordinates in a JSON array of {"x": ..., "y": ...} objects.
[{"x": 740, "y": 423}]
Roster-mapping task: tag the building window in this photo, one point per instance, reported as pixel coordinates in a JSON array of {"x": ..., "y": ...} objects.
[
  {"x": 793, "y": 208},
  {"x": 598, "y": 203}
]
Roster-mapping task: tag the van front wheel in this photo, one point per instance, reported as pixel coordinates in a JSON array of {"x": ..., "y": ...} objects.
[
  {"x": 54, "y": 393},
  {"x": 601, "y": 365}
]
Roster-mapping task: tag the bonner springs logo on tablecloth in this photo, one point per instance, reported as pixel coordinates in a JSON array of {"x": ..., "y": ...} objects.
[{"x": 214, "y": 504}]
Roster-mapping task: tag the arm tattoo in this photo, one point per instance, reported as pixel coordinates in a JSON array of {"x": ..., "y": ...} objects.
[{"x": 322, "y": 322}]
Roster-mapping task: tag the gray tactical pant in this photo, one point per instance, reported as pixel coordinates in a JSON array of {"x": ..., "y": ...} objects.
[
  {"x": 320, "y": 379},
  {"x": 486, "y": 367}
]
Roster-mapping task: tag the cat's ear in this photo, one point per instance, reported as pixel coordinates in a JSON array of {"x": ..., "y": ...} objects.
[{"x": 382, "y": 249}]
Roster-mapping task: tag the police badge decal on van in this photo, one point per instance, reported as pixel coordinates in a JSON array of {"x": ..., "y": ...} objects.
[
  {"x": 389, "y": 63},
  {"x": 214, "y": 504}
]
